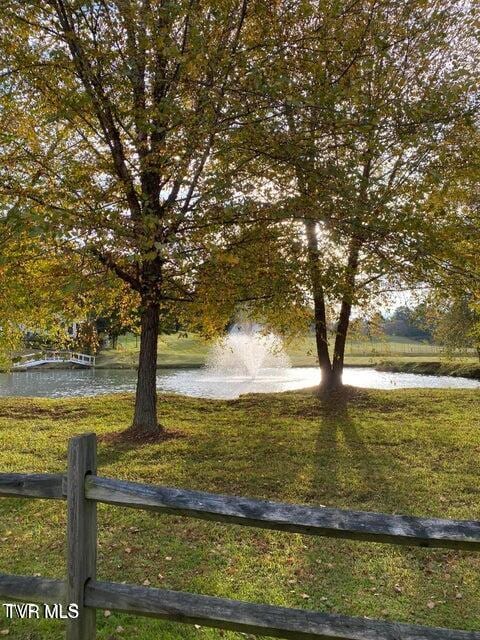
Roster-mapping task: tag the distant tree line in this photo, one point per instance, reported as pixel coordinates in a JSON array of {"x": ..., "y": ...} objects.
[
  {"x": 409, "y": 322},
  {"x": 453, "y": 323}
]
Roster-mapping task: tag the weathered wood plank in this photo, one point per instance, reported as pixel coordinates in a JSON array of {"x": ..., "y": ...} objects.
[
  {"x": 32, "y": 485},
  {"x": 258, "y": 619},
  {"x": 81, "y": 534},
  {"x": 31, "y": 589},
  {"x": 337, "y": 523}
]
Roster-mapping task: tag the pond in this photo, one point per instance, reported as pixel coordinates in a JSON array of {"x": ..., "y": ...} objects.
[{"x": 59, "y": 383}]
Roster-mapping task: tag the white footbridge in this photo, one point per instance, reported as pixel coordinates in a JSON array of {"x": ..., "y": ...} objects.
[{"x": 38, "y": 358}]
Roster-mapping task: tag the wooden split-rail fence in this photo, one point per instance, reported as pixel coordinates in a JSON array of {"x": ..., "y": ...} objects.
[{"x": 83, "y": 488}]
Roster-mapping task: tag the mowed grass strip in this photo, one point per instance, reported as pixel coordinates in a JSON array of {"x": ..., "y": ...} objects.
[
  {"x": 178, "y": 350},
  {"x": 410, "y": 451}
]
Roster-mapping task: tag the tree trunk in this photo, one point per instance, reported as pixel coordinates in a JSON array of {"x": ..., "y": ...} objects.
[
  {"x": 321, "y": 333},
  {"x": 340, "y": 342},
  {"x": 145, "y": 417},
  {"x": 345, "y": 313}
]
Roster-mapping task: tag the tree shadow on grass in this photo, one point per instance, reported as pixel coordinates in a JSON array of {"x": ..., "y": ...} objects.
[
  {"x": 346, "y": 467},
  {"x": 357, "y": 469}
]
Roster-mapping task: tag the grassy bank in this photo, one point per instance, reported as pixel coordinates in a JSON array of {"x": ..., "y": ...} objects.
[
  {"x": 409, "y": 451},
  {"x": 179, "y": 351},
  {"x": 173, "y": 351},
  {"x": 438, "y": 368}
]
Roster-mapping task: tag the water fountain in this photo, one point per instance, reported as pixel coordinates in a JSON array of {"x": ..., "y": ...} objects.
[{"x": 247, "y": 352}]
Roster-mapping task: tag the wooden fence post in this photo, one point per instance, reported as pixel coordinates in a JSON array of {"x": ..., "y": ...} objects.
[{"x": 81, "y": 535}]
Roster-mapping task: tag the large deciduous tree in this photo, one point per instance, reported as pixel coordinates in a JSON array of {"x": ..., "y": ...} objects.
[
  {"x": 132, "y": 97},
  {"x": 352, "y": 109}
]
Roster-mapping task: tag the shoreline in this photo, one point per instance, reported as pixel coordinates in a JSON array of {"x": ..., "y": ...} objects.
[
  {"x": 434, "y": 368},
  {"x": 437, "y": 368}
]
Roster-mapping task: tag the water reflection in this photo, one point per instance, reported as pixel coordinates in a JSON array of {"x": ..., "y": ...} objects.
[{"x": 205, "y": 383}]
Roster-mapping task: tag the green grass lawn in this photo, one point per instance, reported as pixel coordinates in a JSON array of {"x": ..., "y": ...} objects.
[
  {"x": 173, "y": 350},
  {"x": 178, "y": 350},
  {"x": 409, "y": 451}
]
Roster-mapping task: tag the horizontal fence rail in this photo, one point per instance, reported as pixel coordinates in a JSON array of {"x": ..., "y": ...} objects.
[
  {"x": 324, "y": 521},
  {"x": 32, "y": 589},
  {"x": 83, "y": 489},
  {"x": 334, "y": 523},
  {"x": 33, "y": 485},
  {"x": 265, "y": 620},
  {"x": 222, "y": 613}
]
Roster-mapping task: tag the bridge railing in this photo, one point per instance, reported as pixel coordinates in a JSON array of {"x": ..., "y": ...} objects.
[
  {"x": 82, "y": 357},
  {"x": 55, "y": 355},
  {"x": 83, "y": 489}
]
